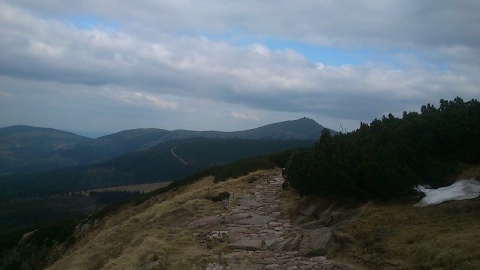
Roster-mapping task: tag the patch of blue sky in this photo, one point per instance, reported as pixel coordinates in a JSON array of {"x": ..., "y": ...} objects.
[
  {"x": 326, "y": 55},
  {"x": 90, "y": 22},
  {"x": 336, "y": 56},
  {"x": 320, "y": 54}
]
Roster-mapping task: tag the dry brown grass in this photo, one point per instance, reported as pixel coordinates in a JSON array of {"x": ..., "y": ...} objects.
[
  {"x": 399, "y": 236},
  {"x": 383, "y": 236},
  {"x": 445, "y": 236},
  {"x": 154, "y": 231}
]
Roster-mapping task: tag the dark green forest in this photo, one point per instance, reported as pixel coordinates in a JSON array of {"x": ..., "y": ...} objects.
[
  {"x": 390, "y": 156},
  {"x": 156, "y": 164}
]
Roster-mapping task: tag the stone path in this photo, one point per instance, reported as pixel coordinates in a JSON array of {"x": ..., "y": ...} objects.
[{"x": 261, "y": 236}]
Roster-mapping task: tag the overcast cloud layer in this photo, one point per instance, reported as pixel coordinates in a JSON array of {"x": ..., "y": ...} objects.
[{"x": 96, "y": 67}]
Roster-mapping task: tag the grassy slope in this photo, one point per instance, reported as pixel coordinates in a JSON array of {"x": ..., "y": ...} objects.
[
  {"x": 445, "y": 236},
  {"x": 154, "y": 231},
  {"x": 392, "y": 235}
]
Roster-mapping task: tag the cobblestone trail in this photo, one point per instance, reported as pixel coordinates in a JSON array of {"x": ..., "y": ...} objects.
[{"x": 261, "y": 236}]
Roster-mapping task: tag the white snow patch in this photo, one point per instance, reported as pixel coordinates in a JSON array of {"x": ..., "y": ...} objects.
[{"x": 460, "y": 190}]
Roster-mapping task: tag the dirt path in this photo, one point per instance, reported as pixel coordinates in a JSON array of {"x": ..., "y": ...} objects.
[
  {"x": 175, "y": 155},
  {"x": 261, "y": 236}
]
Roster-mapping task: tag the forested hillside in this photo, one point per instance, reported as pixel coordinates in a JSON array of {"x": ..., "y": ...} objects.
[
  {"x": 29, "y": 149},
  {"x": 156, "y": 164},
  {"x": 389, "y": 157},
  {"x": 25, "y": 149}
]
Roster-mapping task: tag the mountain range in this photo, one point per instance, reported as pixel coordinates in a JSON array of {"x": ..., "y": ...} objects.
[{"x": 25, "y": 149}]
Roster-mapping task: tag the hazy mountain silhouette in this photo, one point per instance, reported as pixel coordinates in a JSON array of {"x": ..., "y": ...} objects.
[{"x": 30, "y": 149}]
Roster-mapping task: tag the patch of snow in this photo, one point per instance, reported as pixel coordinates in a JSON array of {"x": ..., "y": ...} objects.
[{"x": 460, "y": 190}]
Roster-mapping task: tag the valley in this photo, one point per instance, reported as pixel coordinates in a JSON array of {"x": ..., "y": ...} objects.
[{"x": 36, "y": 197}]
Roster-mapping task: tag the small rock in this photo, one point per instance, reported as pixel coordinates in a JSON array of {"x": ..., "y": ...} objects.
[
  {"x": 319, "y": 259},
  {"x": 274, "y": 224},
  {"x": 272, "y": 266},
  {"x": 312, "y": 225},
  {"x": 255, "y": 220},
  {"x": 151, "y": 265},
  {"x": 214, "y": 266},
  {"x": 219, "y": 235},
  {"x": 269, "y": 242},
  {"x": 81, "y": 229}
]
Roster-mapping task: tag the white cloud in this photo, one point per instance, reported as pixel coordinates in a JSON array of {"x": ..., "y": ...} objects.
[
  {"x": 246, "y": 115},
  {"x": 138, "y": 99},
  {"x": 158, "y": 60}
]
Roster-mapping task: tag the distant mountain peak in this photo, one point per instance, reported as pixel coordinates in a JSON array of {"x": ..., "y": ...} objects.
[
  {"x": 46, "y": 148},
  {"x": 299, "y": 129}
]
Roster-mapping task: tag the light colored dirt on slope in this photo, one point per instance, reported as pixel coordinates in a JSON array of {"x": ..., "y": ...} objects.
[{"x": 134, "y": 188}]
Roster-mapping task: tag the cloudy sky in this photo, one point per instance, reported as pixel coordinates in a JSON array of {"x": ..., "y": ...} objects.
[{"x": 97, "y": 67}]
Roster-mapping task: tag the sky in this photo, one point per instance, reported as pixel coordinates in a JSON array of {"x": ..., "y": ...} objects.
[{"x": 97, "y": 67}]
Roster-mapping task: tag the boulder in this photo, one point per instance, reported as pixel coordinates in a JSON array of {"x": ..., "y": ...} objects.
[{"x": 318, "y": 242}]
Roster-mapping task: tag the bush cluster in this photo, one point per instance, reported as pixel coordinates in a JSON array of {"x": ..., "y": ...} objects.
[{"x": 389, "y": 157}]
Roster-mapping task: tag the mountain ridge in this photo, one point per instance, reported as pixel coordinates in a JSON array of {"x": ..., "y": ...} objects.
[
  {"x": 85, "y": 151},
  {"x": 156, "y": 164}
]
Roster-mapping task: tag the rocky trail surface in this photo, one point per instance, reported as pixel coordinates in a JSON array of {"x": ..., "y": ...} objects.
[
  {"x": 241, "y": 223},
  {"x": 261, "y": 236}
]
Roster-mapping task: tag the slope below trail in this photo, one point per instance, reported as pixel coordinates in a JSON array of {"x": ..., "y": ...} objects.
[
  {"x": 192, "y": 228},
  {"x": 261, "y": 236}
]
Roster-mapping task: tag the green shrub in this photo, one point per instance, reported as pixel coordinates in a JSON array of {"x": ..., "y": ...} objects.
[{"x": 387, "y": 158}]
